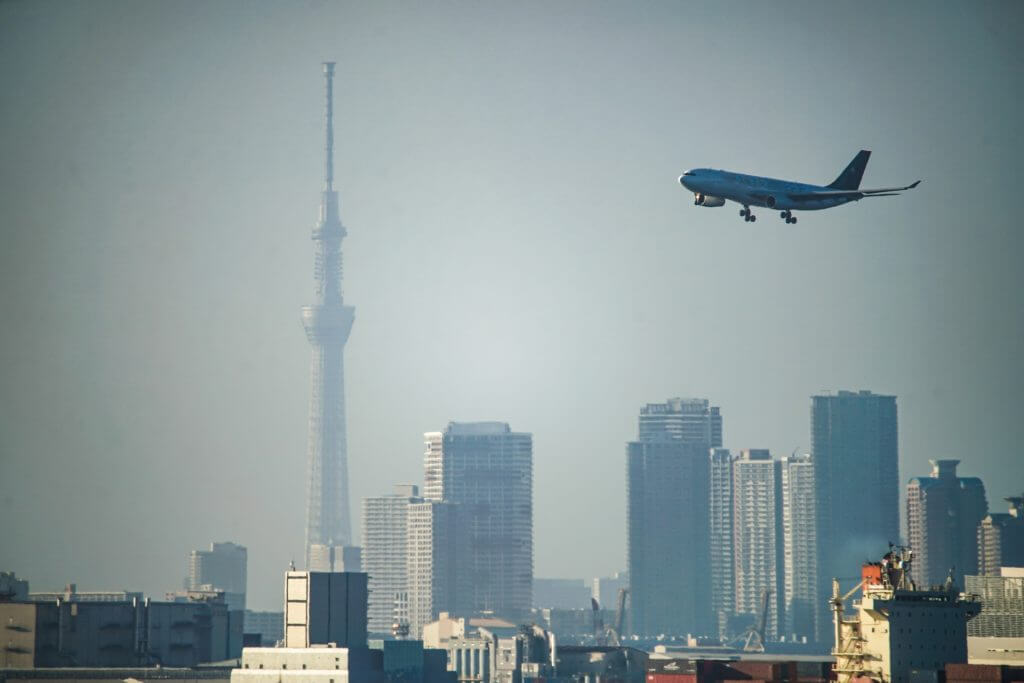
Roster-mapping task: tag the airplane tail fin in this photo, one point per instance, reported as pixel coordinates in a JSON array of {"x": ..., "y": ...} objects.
[{"x": 849, "y": 179}]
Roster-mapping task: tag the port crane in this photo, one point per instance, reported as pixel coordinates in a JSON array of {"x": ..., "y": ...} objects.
[{"x": 611, "y": 635}]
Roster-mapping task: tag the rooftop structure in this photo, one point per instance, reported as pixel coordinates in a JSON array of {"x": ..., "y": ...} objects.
[
  {"x": 693, "y": 420},
  {"x": 328, "y": 323},
  {"x": 72, "y": 594}
]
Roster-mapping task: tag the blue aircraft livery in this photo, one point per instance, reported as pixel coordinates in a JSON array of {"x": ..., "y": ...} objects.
[{"x": 712, "y": 187}]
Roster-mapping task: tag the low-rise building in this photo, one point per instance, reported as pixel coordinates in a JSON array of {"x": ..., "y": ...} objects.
[{"x": 117, "y": 634}]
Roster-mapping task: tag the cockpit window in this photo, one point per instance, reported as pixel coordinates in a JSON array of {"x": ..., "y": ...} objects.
[{"x": 690, "y": 173}]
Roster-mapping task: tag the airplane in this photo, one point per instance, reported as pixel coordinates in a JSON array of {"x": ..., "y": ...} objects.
[{"x": 712, "y": 187}]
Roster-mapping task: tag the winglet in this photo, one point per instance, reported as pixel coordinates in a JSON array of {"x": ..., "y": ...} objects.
[{"x": 914, "y": 184}]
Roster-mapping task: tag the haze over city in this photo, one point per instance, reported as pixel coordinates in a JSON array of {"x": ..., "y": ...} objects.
[{"x": 518, "y": 250}]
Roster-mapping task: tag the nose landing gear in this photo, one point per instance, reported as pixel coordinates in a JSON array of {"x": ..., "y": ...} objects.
[
  {"x": 787, "y": 216},
  {"x": 747, "y": 216}
]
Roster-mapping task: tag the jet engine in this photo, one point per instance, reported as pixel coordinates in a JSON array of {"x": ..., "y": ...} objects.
[{"x": 707, "y": 200}]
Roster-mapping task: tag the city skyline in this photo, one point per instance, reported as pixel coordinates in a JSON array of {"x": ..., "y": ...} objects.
[{"x": 520, "y": 251}]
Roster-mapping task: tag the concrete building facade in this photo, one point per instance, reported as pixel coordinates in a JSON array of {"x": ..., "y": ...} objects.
[
  {"x": 801, "y": 603},
  {"x": 487, "y": 469},
  {"x": 943, "y": 514},
  {"x": 325, "y": 607}
]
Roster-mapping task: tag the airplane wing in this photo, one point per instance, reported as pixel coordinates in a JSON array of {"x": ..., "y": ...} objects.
[{"x": 854, "y": 194}]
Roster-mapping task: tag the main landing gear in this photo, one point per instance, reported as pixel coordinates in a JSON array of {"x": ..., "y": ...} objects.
[
  {"x": 747, "y": 216},
  {"x": 787, "y": 216}
]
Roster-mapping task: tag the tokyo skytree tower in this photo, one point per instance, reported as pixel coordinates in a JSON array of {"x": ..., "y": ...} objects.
[{"x": 328, "y": 323}]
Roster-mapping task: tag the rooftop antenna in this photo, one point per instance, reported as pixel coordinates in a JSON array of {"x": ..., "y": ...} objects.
[{"x": 329, "y": 157}]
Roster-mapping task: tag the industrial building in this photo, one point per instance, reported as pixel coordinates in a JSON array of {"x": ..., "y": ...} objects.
[
  {"x": 487, "y": 469},
  {"x": 943, "y": 514},
  {"x": 103, "y": 633},
  {"x": 667, "y": 473}
]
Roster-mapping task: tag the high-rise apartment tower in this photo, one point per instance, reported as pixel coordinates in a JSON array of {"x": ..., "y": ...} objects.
[
  {"x": 943, "y": 514},
  {"x": 667, "y": 479},
  {"x": 800, "y": 552},
  {"x": 487, "y": 469},
  {"x": 857, "y": 486},
  {"x": 328, "y": 323},
  {"x": 757, "y": 536},
  {"x": 723, "y": 594},
  {"x": 385, "y": 524}
]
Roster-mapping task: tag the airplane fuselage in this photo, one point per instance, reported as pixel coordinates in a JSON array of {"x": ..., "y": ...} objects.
[{"x": 752, "y": 190}]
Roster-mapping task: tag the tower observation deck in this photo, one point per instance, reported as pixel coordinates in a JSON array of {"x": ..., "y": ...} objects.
[{"x": 328, "y": 323}]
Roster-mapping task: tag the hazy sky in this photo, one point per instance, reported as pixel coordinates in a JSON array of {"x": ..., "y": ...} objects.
[{"x": 518, "y": 250}]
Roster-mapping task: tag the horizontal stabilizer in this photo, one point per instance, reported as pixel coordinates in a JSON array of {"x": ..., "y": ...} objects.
[{"x": 853, "y": 194}]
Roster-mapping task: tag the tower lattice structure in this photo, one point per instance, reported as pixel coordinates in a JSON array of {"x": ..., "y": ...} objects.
[{"x": 328, "y": 323}]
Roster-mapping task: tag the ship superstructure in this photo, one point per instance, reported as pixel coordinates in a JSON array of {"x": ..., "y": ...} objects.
[{"x": 897, "y": 628}]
